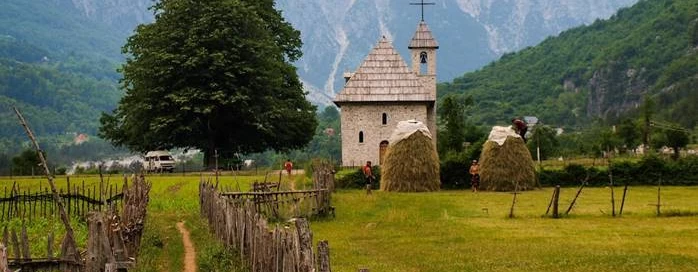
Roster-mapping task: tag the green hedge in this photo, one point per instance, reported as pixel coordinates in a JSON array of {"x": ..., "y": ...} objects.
[{"x": 647, "y": 171}]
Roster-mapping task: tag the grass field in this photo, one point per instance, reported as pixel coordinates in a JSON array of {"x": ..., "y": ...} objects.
[
  {"x": 464, "y": 231},
  {"x": 450, "y": 230}
]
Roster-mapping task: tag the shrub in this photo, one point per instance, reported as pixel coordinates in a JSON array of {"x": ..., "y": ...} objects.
[
  {"x": 60, "y": 171},
  {"x": 355, "y": 179},
  {"x": 454, "y": 171}
]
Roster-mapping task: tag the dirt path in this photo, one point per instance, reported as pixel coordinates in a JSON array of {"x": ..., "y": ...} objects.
[{"x": 189, "y": 251}]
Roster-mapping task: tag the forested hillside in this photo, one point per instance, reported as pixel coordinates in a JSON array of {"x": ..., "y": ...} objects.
[
  {"x": 598, "y": 71},
  {"x": 59, "y": 68}
]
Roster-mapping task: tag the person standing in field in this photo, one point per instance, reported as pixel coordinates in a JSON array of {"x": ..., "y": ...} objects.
[
  {"x": 474, "y": 176},
  {"x": 288, "y": 166},
  {"x": 368, "y": 176},
  {"x": 520, "y": 127}
]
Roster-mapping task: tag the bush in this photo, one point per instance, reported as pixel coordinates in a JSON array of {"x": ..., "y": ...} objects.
[
  {"x": 355, "y": 179},
  {"x": 60, "y": 171},
  {"x": 454, "y": 171}
]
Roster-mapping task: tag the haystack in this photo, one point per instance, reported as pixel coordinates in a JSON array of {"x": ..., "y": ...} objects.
[
  {"x": 411, "y": 163},
  {"x": 505, "y": 162}
]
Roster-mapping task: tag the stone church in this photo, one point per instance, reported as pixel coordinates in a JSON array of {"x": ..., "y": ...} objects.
[{"x": 384, "y": 91}]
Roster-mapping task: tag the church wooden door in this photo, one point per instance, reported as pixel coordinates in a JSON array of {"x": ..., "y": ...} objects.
[{"x": 383, "y": 148}]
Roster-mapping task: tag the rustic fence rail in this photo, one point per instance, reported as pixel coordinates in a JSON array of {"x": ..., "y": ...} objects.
[
  {"x": 78, "y": 200},
  {"x": 286, "y": 204},
  {"x": 262, "y": 246}
]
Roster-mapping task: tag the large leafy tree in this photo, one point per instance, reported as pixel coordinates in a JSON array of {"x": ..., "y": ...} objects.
[{"x": 212, "y": 74}]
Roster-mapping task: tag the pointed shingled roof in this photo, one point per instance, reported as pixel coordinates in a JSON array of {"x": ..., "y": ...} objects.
[
  {"x": 422, "y": 38},
  {"x": 383, "y": 76}
]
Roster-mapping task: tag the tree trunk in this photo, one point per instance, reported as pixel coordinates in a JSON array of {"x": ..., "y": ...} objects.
[
  {"x": 677, "y": 152},
  {"x": 209, "y": 159}
]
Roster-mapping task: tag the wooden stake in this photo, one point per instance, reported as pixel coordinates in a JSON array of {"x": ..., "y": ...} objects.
[
  {"x": 323, "y": 254},
  {"x": 513, "y": 202},
  {"x": 70, "y": 237},
  {"x": 556, "y": 199},
  {"x": 3, "y": 259},
  {"x": 550, "y": 204},
  {"x": 622, "y": 202},
  {"x": 659, "y": 197},
  {"x": 613, "y": 199}
]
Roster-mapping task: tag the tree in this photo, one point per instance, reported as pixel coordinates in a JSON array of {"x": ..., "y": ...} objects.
[
  {"x": 452, "y": 113},
  {"x": 673, "y": 136},
  {"x": 647, "y": 111},
  {"x": 25, "y": 162},
  {"x": 212, "y": 75},
  {"x": 629, "y": 133}
]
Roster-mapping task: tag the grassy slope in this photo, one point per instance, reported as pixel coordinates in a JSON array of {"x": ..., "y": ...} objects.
[{"x": 449, "y": 231}]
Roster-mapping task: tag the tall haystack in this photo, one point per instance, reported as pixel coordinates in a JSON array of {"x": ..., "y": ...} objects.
[
  {"x": 411, "y": 163},
  {"x": 506, "y": 162}
]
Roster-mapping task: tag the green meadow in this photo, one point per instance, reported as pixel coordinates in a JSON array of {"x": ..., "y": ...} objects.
[{"x": 445, "y": 231}]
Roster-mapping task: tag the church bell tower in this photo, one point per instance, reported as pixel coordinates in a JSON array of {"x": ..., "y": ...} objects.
[{"x": 423, "y": 54}]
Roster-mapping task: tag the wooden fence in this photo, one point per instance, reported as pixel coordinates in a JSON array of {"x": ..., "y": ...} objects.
[
  {"x": 113, "y": 238},
  {"x": 77, "y": 198},
  {"x": 263, "y": 247},
  {"x": 285, "y": 204}
]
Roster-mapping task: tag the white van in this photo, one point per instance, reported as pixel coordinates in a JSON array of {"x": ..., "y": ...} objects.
[{"x": 159, "y": 161}]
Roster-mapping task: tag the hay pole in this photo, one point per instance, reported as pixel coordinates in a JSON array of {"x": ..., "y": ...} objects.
[
  {"x": 584, "y": 183},
  {"x": 552, "y": 198},
  {"x": 579, "y": 191},
  {"x": 513, "y": 202},
  {"x": 659, "y": 197},
  {"x": 622, "y": 202},
  {"x": 613, "y": 199},
  {"x": 69, "y": 236},
  {"x": 556, "y": 201}
]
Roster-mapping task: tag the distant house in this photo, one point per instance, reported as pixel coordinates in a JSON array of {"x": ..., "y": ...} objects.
[
  {"x": 384, "y": 91},
  {"x": 80, "y": 138}
]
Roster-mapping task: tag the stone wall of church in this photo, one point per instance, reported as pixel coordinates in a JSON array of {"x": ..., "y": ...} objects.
[{"x": 368, "y": 119}]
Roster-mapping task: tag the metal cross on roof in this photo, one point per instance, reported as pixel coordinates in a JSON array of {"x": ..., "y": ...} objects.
[{"x": 422, "y": 4}]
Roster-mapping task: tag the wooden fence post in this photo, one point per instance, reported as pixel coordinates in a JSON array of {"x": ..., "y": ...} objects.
[
  {"x": 98, "y": 250},
  {"x": 622, "y": 202},
  {"x": 556, "y": 198},
  {"x": 323, "y": 256},
  {"x": 584, "y": 183},
  {"x": 613, "y": 196},
  {"x": 3, "y": 258}
]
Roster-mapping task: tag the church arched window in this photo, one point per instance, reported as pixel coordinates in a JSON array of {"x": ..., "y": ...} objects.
[
  {"x": 385, "y": 119},
  {"x": 361, "y": 136},
  {"x": 423, "y": 57}
]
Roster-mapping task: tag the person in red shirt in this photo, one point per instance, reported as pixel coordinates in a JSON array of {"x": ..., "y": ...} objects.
[
  {"x": 288, "y": 166},
  {"x": 520, "y": 127},
  {"x": 369, "y": 177}
]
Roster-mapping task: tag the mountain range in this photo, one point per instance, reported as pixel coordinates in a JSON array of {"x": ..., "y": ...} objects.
[
  {"x": 337, "y": 35},
  {"x": 69, "y": 51}
]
